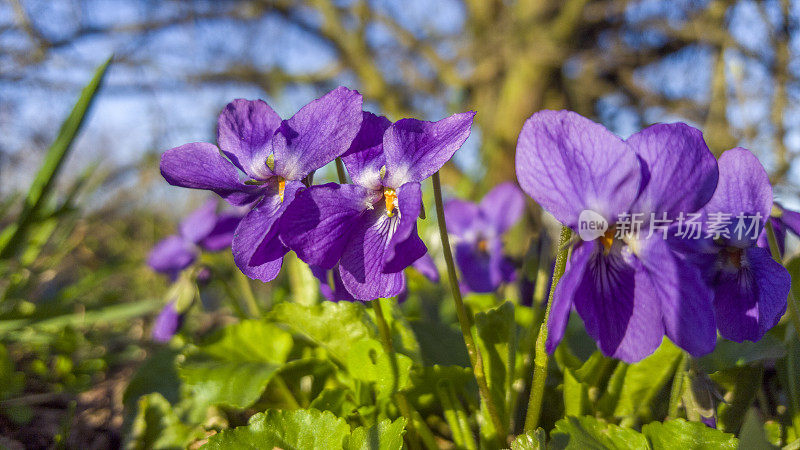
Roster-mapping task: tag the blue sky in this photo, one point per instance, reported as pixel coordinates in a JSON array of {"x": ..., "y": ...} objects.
[{"x": 130, "y": 119}]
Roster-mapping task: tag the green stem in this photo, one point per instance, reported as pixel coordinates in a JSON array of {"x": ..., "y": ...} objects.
[
  {"x": 540, "y": 290},
  {"x": 340, "y": 171},
  {"x": 449, "y": 412},
  {"x": 247, "y": 293},
  {"x": 388, "y": 347},
  {"x": 794, "y": 308},
  {"x": 424, "y": 432},
  {"x": 475, "y": 358},
  {"x": 455, "y": 416},
  {"x": 677, "y": 387},
  {"x": 541, "y": 358}
]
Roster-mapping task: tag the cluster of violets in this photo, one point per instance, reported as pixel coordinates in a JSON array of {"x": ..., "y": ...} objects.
[
  {"x": 202, "y": 230},
  {"x": 633, "y": 290},
  {"x": 358, "y": 237}
]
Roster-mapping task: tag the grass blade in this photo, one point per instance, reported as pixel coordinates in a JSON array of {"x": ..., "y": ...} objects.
[{"x": 14, "y": 234}]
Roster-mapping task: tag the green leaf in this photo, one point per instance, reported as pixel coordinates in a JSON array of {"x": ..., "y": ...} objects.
[
  {"x": 532, "y": 440},
  {"x": 580, "y": 433},
  {"x": 773, "y": 430},
  {"x": 298, "y": 429},
  {"x": 594, "y": 369},
  {"x": 385, "y": 435},
  {"x": 789, "y": 376},
  {"x": 250, "y": 340},
  {"x": 157, "y": 427},
  {"x": 589, "y": 432},
  {"x": 741, "y": 385},
  {"x": 333, "y": 326},
  {"x": 496, "y": 338},
  {"x": 608, "y": 402},
  {"x": 157, "y": 374},
  {"x": 576, "y": 395},
  {"x": 337, "y": 401},
  {"x": 440, "y": 344},
  {"x": 235, "y": 367},
  {"x": 61, "y": 319},
  {"x": 14, "y": 235},
  {"x": 238, "y": 384},
  {"x": 304, "y": 287},
  {"x": 793, "y": 267},
  {"x": 367, "y": 361},
  {"x": 753, "y": 436},
  {"x": 321, "y": 372},
  {"x": 38, "y": 235},
  {"x": 455, "y": 415},
  {"x": 19, "y": 414},
  {"x": 679, "y": 433},
  {"x": 480, "y": 301},
  {"x": 729, "y": 354},
  {"x": 426, "y": 380},
  {"x": 643, "y": 380},
  {"x": 403, "y": 337}
]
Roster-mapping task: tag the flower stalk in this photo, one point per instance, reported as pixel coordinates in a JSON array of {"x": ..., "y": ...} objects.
[
  {"x": 541, "y": 358},
  {"x": 475, "y": 358},
  {"x": 246, "y": 292},
  {"x": 540, "y": 289},
  {"x": 676, "y": 392},
  {"x": 455, "y": 416}
]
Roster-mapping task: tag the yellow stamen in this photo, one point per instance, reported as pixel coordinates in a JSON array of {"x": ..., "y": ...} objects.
[
  {"x": 390, "y": 196},
  {"x": 483, "y": 246},
  {"x": 608, "y": 238},
  {"x": 281, "y": 188}
]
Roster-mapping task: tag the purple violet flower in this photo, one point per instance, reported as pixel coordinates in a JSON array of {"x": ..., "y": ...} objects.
[
  {"x": 782, "y": 220},
  {"x": 202, "y": 229},
  {"x": 478, "y": 229},
  {"x": 275, "y": 155},
  {"x": 370, "y": 228},
  {"x": 167, "y": 323},
  {"x": 338, "y": 293},
  {"x": 632, "y": 290},
  {"x": 749, "y": 287}
]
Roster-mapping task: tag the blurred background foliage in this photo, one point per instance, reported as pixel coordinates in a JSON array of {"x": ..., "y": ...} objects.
[{"x": 75, "y": 226}]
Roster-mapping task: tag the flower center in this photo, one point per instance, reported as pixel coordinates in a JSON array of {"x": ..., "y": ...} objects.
[
  {"x": 483, "y": 246},
  {"x": 281, "y": 184},
  {"x": 390, "y": 196},
  {"x": 281, "y": 188},
  {"x": 607, "y": 239},
  {"x": 734, "y": 256}
]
